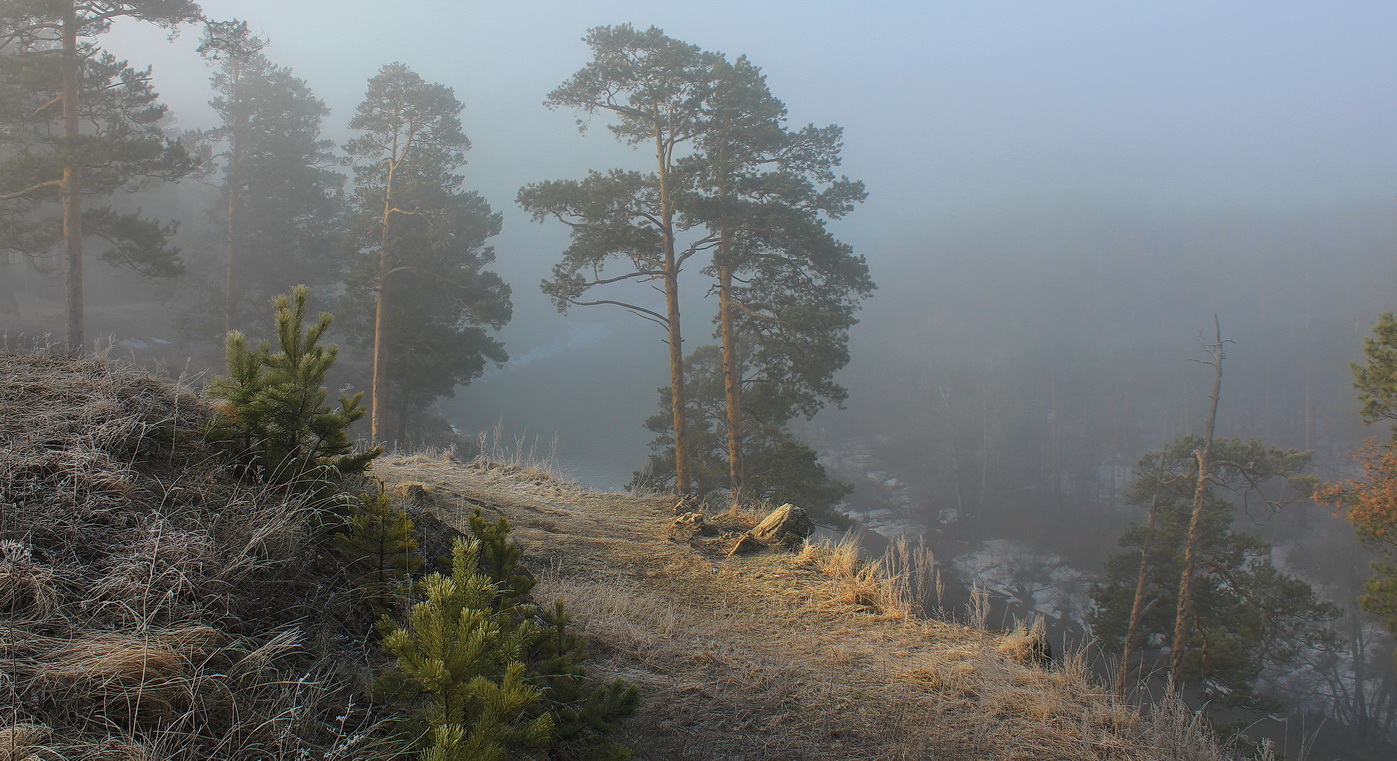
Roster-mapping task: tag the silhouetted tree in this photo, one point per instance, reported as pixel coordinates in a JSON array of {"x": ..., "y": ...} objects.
[{"x": 281, "y": 204}]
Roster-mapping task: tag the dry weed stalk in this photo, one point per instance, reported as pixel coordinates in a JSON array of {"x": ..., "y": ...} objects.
[
  {"x": 522, "y": 455},
  {"x": 902, "y": 584}
]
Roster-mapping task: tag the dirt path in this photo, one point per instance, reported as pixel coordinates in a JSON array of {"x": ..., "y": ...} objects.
[{"x": 761, "y": 656}]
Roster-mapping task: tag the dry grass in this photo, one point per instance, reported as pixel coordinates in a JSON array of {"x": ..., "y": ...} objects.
[
  {"x": 524, "y": 455},
  {"x": 153, "y": 606},
  {"x": 903, "y": 584},
  {"x": 812, "y": 655}
]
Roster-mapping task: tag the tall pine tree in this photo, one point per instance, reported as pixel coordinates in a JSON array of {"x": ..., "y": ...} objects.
[
  {"x": 786, "y": 288},
  {"x": 280, "y": 208},
  {"x": 92, "y": 126},
  {"x": 420, "y": 295},
  {"x": 653, "y": 87}
]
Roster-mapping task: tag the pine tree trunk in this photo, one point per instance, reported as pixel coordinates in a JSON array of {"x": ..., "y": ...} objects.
[
  {"x": 378, "y": 393},
  {"x": 676, "y": 380},
  {"x": 229, "y": 276},
  {"x": 72, "y": 201},
  {"x": 682, "y": 480},
  {"x": 1183, "y": 613},
  {"x": 732, "y": 380},
  {"x": 1137, "y": 607}
]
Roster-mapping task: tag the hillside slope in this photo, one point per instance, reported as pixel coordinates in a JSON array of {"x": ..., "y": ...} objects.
[
  {"x": 155, "y": 603},
  {"x": 763, "y": 656}
]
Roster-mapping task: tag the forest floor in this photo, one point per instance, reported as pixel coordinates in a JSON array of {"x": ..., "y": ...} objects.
[{"x": 768, "y": 655}]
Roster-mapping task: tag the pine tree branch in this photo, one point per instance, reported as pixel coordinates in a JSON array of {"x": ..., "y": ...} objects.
[
  {"x": 638, "y": 311},
  {"x": 30, "y": 189}
]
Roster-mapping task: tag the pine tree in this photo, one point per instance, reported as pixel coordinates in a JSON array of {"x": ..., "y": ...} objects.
[
  {"x": 62, "y": 81},
  {"x": 281, "y": 205},
  {"x": 420, "y": 294},
  {"x": 731, "y": 179},
  {"x": 500, "y": 557},
  {"x": 1246, "y": 614},
  {"x": 380, "y": 546},
  {"x": 787, "y": 290},
  {"x": 1370, "y": 502},
  {"x": 271, "y": 407},
  {"x": 464, "y": 657},
  {"x": 491, "y": 672},
  {"x": 584, "y": 716},
  {"x": 654, "y": 87}
]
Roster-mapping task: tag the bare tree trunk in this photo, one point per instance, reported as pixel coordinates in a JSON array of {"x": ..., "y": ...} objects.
[
  {"x": 1137, "y": 608},
  {"x": 72, "y": 200},
  {"x": 732, "y": 380},
  {"x": 379, "y": 390},
  {"x": 675, "y": 340},
  {"x": 1183, "y": 613}
]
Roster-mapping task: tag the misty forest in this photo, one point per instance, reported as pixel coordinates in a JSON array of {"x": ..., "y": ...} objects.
[{"x": 1094, "y": 306}]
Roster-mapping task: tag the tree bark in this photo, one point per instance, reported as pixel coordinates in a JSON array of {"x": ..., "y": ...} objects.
[
  {"x": 379, "y": 390},
  {"x": 1183, "y": 613},
  {"x": 1137, "y": 607},
  {"x": 72, "y": 200},
  {"x": 682, "y": 480},
  {"x": 732, "y": 380}
]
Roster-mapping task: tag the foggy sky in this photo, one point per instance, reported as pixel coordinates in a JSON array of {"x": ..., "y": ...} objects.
[{"x": 951, "y": 111}]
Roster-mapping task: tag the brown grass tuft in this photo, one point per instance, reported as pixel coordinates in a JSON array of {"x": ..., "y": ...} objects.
[
  {"x": 156, "y": 602},
  {"x": 901, "y": 585},
  {"x": 22, "y": 742}
]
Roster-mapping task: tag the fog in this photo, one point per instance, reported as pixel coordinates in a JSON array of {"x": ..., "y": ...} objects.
[
  {"x": 979, "y": 131},
  {"x": 1061, "y": 196}
]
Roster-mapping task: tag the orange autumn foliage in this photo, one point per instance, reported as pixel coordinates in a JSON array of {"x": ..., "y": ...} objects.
[{"x": 1370, "y": 502}]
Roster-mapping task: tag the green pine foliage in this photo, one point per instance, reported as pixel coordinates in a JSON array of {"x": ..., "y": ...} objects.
[
  {"x": 1376, "y": 381},
  {"x": 1250, "y": 615},
  {"x": 500, "y": 557},
  {"x": 585, "y": 717},
  {"x": 490, "y": 673},
  {"x": 381, "y": 550},
  {"x": 461, "y": 659},
  {"x": 271, "y": 407}
]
